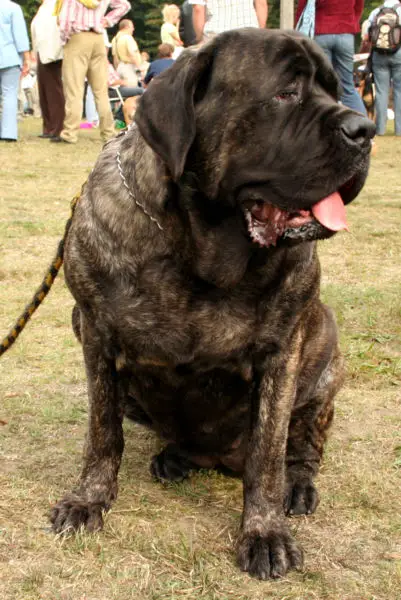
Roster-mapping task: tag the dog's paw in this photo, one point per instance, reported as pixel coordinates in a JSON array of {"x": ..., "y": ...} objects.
[
  {"x": 301, "y": 496},
  {"x": 270, "y": 555},
  {"x": 171, "y": 465},
  {"x": 72, "y": 512}
]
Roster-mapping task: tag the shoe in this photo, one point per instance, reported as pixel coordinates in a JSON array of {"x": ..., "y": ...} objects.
[
  {"x": 57, "y": 139},
  {"x": 7, "y": 140},
  {"x": 46, "y": 136}
]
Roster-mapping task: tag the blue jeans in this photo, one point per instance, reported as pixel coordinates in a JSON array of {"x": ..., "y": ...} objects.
[
  {"x": 387, "y": 67},
  {"x": 339, "y": 49},
  {"x": 9, "y": 80}
]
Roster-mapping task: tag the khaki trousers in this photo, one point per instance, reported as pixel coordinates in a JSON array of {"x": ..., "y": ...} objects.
[{"x": 85, "y": 56}]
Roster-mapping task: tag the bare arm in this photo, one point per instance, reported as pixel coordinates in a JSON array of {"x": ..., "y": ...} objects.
[
  {"x": 176, "y": 37},
  {"x": 25, "y": 64},
  {"x": 198, "y": 20},
  {"x": 262, "y": 12},
  {"x": 136, "y": 58},
  {"x": 120, "y": 7}
]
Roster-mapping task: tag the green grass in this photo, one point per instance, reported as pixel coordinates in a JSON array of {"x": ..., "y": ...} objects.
[{"x": 176, "y": 541}]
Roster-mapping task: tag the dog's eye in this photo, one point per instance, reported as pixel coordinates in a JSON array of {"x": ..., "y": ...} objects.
[{"x": 287, "y": 95}]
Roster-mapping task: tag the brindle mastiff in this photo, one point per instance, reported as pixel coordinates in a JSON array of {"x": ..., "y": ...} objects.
[{"x": 192, "y": 260}]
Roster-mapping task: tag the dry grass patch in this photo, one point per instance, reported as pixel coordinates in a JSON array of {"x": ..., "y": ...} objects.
[{"x": 176, "y": 541}]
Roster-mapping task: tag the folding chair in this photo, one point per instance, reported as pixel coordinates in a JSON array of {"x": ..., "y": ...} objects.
[{"x": 116, "y": 100}]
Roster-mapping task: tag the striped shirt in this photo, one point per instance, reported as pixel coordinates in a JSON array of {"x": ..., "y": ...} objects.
[
  {"x": 222, "y": 15},
  {"x": 75, "y": 17}
]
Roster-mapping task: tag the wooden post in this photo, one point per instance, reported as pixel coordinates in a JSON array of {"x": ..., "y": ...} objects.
[{"x": 286, "y": 14}]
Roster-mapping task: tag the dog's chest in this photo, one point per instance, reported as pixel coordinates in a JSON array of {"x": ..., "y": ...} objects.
[
  {"x": 181, "y": 327},
  {"x": 162, "y": 315}
]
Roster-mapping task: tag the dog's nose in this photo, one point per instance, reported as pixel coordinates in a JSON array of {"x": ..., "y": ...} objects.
[{"x": 357, "y": 129}]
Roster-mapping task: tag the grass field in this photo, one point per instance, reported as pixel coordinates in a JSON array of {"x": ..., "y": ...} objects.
[{"x": 176, "y": 542}]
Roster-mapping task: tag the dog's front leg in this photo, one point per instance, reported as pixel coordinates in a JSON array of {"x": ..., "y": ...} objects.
[
  {"x": 104, "y": 444},
  {"x": 266, "y": 547}
]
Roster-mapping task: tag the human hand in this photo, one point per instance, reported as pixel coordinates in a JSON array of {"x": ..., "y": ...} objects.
[{"x": 24, "y": 69}]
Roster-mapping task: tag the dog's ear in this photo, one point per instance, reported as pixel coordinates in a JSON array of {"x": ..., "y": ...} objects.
[
  {"x": 166, "y": 112},
  {"x": 325, "y": 73}
]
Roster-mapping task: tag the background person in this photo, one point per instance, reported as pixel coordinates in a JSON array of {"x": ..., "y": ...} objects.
[
  {"x": 336, "y": 23},
  {"x": 386, "y": 69},
  {"x": 127, "y": 59},
  {"x": 29, "y": 94},
  {"x": 145, "y": 64},
  {"x": 169, "y": 33},
  {"x": 163, "y": 62},
  {"x": 85, "y": 55},
  {"x": 126, "y": 90},
  {"x": 211, "y": 17},
  {"x": 46, "y": 42},
  {"x": 14, "y": 58},
  {"x": 186, "y": 27}
]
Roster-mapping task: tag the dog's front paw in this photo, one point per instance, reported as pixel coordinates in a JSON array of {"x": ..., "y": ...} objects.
[
  {"x": 269, "y": 555},
  {"x": 301, "y": 496},
  {"x": 73, "y": 512}
]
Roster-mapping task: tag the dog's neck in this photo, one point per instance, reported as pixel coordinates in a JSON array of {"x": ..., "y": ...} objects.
[{"x": 132, "y": 185}]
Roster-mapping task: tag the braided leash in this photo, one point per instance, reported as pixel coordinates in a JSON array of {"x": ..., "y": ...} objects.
[
  {"x": 55, "y": 266},
  {"x": 43, "y": 289}
]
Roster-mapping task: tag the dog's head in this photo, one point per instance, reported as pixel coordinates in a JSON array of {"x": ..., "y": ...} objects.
[{"x": 252, "y": 123}]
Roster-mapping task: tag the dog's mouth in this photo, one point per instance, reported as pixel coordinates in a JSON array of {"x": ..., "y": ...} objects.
[{"x": 268, "y": 223}]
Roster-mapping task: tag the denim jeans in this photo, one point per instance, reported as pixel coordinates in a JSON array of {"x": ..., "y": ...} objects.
[
  {"x": 387, "y": 67},
  {"x": 9, "y": 81},
  {"x": 339, "y": 49}
]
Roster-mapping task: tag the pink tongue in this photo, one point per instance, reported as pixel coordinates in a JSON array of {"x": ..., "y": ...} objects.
[{"x": 330, "y": 212}]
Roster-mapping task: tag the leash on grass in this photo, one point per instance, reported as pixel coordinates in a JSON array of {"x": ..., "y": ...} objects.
[{"x": 43, "y": 289}]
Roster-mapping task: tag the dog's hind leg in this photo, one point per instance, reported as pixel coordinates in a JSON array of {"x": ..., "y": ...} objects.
[
  {"x": 97, "y": 488},
  {"x": 171, "y": 464},
  {"x": 310, "y": 421},
  {"x": 76, "y": 322}
]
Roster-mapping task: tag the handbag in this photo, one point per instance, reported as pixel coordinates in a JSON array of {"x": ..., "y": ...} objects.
[{"x": 306, "y": 22}]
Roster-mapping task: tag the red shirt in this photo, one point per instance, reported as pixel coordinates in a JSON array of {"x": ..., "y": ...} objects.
[{"x": 335, "y": 16}]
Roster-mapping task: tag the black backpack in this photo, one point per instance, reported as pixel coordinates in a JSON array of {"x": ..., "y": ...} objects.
[{"x": 385, "y": 31}]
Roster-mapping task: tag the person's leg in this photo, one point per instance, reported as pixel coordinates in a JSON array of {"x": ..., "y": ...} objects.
[
  {"x": 396, "y": 77},
  {"x": 43, "y": 99},
  {"x": 21, "y": 101},
  {"x": 9, "y": 80},
  {"x": 29, "y": 100},
  {"x": 35, "y": 99},
  {"x": 343, "y": 63},
  {"x": 381, "y": 75},
  {"x": 90, "y": 107},
  {"x": 77, "y": 52},
  {"x": 129, "y": 92},
  {"x": 326, "y": 44},
  {"x": 97, "y": 78},
  {"x": 55, "y": 95}
]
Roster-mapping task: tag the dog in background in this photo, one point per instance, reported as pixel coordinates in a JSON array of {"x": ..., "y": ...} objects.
[
  {"x": 129, "y": 109},
  {"x": 367, "y": 93}
]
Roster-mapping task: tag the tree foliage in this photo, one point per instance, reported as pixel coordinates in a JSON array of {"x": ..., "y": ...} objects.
[{"x": 148, "y": 19}]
